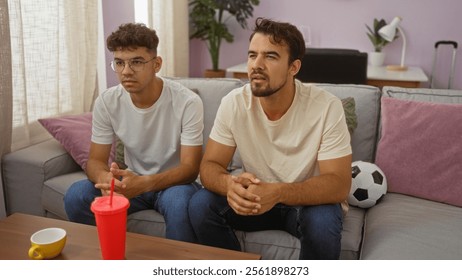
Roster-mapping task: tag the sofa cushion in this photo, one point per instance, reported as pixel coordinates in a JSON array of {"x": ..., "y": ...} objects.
[
  {"x": 451, "y": 96},
  {"x": 420, "y": 150},
  {"x": 53, "y": 193},
  {"x": 353, "y": 224},
  {"x": 271, "y": 244},
  {"x": 149, "y": 222},
  {"x": 25, "y": 170},
  {"x": 403, "y": 227},
  {"x": 73, "y": 132},
  {"x": 367, "y": 103}
]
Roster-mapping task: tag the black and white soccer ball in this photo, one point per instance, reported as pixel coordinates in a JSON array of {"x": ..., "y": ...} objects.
[{"x": 368, "y": 184}]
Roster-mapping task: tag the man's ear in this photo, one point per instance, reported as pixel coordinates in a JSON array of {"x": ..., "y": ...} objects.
[
  {"x": 157, "y": 63},
  {"x": 295, "y": 67}
]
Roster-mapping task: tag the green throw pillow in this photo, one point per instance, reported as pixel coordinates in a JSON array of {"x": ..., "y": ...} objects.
[
  {"x": 349, "y": 106},
  {"x": 119, "y": 154}
]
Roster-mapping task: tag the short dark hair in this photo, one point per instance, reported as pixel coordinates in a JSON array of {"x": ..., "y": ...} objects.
[
  {"x": 282, "y": 33},
  {"x": 133, "y": 35}
]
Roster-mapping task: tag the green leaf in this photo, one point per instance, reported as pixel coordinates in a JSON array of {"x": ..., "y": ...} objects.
[{"x": 208, "y": 24}]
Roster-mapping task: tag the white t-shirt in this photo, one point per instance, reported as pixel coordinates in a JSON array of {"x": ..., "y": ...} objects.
[
  {"x": 288, "y": 149},
  {"x": 151, "y": 136}
]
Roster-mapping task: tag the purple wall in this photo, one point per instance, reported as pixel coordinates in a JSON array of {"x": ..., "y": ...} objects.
[
  {"x": 115, "y": 12},
  {"x": 341, "y": 24}
]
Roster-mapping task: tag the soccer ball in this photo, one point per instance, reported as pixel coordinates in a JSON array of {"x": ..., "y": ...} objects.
[{"x": 368, "y": 184}]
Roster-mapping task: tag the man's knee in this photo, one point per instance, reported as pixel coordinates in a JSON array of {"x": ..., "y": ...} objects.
[
  {"x": 322, "y": 219},
  {"x": 80, "y": 195},
  {"x": 198, "y": 200},
  {"x": 78, "y": 190},
  {"x": 201, "y": 205},
  {"x": 177, "y": 197}
]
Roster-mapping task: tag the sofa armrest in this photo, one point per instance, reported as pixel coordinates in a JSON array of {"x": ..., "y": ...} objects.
[{"x": 24, "y": 172}]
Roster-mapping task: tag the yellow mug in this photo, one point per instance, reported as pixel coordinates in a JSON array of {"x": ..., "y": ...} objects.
[{"x": 47, "y": 243}]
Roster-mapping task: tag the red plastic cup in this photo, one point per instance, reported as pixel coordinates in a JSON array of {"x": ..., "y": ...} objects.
[{"x": 111, "y": 221}]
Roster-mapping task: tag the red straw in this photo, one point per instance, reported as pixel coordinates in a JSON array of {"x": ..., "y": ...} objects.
[{"x": 112, "y": 191}]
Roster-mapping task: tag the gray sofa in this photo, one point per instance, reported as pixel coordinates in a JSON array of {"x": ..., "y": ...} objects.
[{"x": 398, "y": 227}]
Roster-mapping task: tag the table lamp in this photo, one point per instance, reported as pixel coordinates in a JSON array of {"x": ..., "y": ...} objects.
[{"x": 388, "y": 33}]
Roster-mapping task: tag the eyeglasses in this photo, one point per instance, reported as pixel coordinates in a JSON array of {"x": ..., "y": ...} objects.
[{"x": 136, "y": 65}]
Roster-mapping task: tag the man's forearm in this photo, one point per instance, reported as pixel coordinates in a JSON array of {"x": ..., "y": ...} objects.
[
  {"x": 95, "y": 170},
  {"x": 214, "y": 177},
  {"x": 182, "y": 174},
  {"x": 322, "y": 189}
]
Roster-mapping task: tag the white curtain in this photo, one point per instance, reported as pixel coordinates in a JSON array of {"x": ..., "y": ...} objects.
[
  {"x": 170, "y": 19},
  {"x": 6, "y": 93},
  {"x": 54, "y": 56}
]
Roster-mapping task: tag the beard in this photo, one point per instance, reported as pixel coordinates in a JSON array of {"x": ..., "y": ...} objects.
[{"x": 262, "y": 88}]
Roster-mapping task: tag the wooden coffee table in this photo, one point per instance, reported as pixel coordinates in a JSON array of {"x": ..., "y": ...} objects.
[{"x": 82, "y": 243}]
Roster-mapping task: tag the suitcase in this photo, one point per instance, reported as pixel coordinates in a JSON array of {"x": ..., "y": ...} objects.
[{"x": 451, "y": 73}]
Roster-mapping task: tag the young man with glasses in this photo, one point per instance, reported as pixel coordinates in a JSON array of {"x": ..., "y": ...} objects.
[{"x": 160, "y": 123}]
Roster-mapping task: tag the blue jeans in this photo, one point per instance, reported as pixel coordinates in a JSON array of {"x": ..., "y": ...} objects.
[
  {"x": 317, "y": 227},
  {"x": 172, "y": 203}
]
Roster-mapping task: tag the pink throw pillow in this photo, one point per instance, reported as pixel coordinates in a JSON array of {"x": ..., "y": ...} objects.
[
  {"x": 420, "y": 151},
  {"x": 74, "y": 134}
]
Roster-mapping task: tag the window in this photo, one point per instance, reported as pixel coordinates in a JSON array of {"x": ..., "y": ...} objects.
[{"x": 54, "y": 55}]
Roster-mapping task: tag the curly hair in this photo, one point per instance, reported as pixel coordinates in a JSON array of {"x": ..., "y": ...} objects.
[
  {"x": 282, "y": 33},
  {"x": 133, "y": 35}
]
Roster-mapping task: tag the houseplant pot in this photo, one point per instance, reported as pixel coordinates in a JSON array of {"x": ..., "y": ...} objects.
[
  {"x": 376, "y": 58},
  {"x": 208, "y": 22},
  {"x": 210, "y": 73}
]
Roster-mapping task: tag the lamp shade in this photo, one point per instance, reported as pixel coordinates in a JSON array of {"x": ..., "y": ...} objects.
[{"x": 388, "y": 32}]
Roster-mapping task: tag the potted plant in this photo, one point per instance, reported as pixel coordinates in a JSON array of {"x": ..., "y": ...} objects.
[
  {"x": 209, "y": 19},
  {"x": 377, "y": 57}
]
